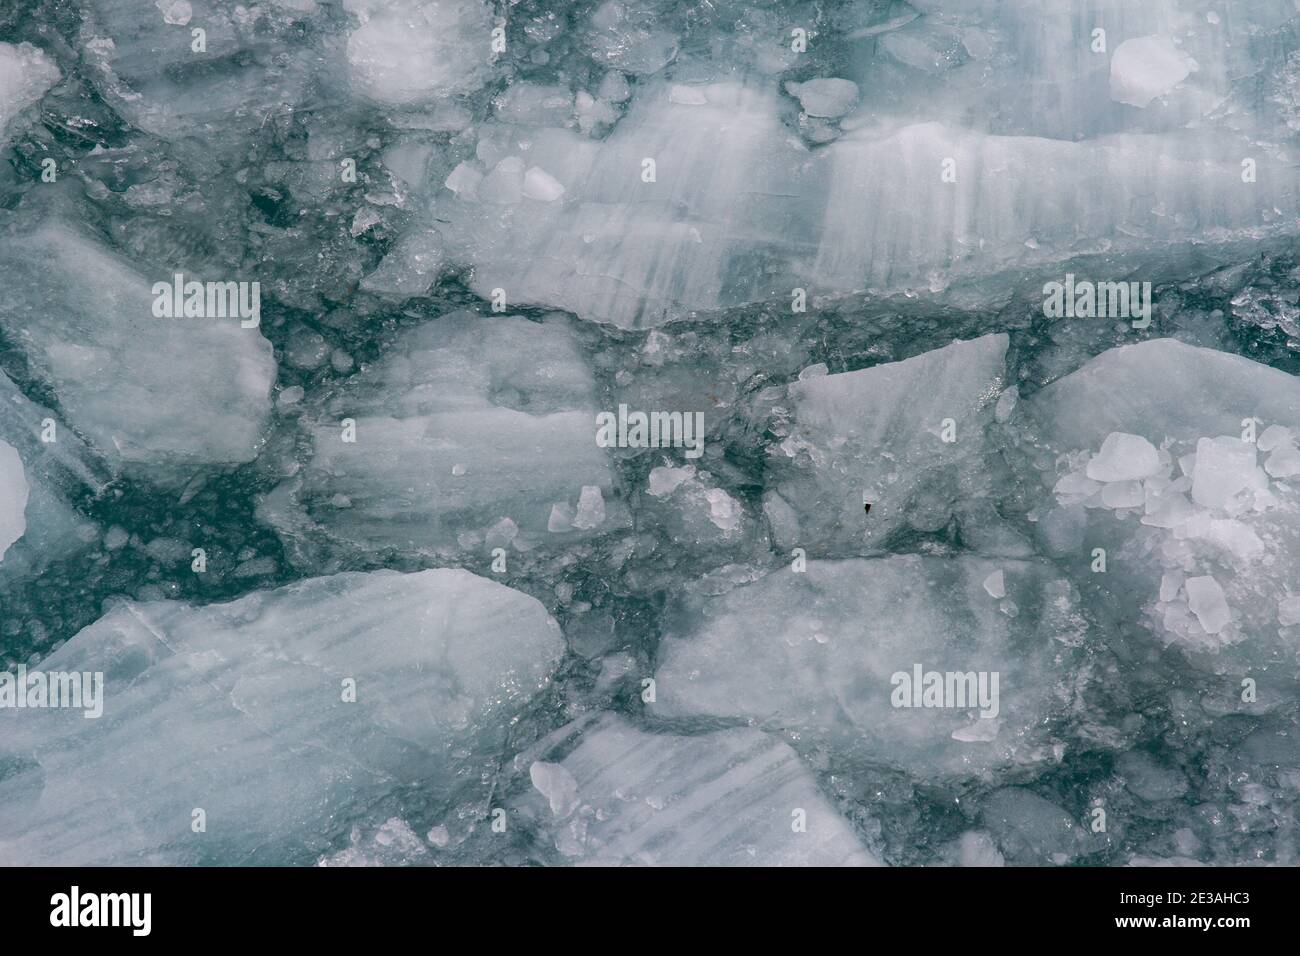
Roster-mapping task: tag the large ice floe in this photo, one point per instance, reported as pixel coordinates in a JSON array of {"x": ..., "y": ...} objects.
[{"x": 244, "y": 732}]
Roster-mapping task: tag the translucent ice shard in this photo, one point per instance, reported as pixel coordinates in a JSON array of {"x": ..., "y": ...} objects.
[
  {"x": 675, "y": 211},
  {"x": 840, "y": 654},
  {"x": 737, "y": 797},
  {"x": 904, "y": 437},
  {"x": 276, "y": 715}
]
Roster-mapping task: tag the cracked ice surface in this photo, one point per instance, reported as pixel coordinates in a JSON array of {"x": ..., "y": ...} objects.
[{"x": 370, "y": 584}]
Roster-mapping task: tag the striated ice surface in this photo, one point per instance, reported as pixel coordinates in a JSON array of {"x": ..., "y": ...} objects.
[
  {"x": 728, "y": 207},
  {"x": 625, "y": 797},
  {"x": 273, "y": 714}
]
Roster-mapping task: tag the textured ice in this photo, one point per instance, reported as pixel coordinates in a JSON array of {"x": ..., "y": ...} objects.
[
  {"x": 626, "y": 797},
  {"x": 738, "y": 210},
  {"x": 1203, "y": 553},
  {"x": 242, "y": 710},
  {"x": 468, "y": 423},
  {"x": 85, "y": 317},
  {"x": 477, "y": 227},
  {"x": 814, "y": 653},
  {"x": 901, "y": 437}
]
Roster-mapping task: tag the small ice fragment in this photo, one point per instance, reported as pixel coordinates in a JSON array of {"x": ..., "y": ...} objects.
[
  {"x": 1077, "y": 483},
  {"x": 464, "y": 180},
  {"x": 826, "y": 97},
  {"x": 557, "y": 785},
  {"x": 561, "y": 518},
  {"x": 995, "y": 585},
  {"x": 1284, "y": 462},
  {"x": 591, "y": 508},
  {"x": 541, "y": 185},
  {"x": 724, "y": 510},
  {"x": 1224, "y": 466},
  {"x": 1273, "y": 436},
  {"x": 1124, "y": 457},
  {"x": 14, "y": 490},
  {"x": 665, "y": 480},
  {"x": 1206, "y": 600},
  {"x": 1143, "y": 68}
]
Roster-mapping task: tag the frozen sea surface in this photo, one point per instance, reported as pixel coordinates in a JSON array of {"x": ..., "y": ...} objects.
[{"x": 756, "y": 433}]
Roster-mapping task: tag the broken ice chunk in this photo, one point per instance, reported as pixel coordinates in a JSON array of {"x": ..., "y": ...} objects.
[
  {"x": 995, "y": 584},
  {"x": 1202, "y": 392},
  {"x": 827, "y": 97},
  {"x": 86, "y": 319},
  {"x": 1288, "y": 611},
  {"x": 1123, "y": 458},
  {"x": 1206, "y": 600},
  {"x": 557, "y": 785},
  {"x": 1143, "y": 68},
  {"x": 591, "y": 508},
  {"x": 1284, "y": 461},
  {"x": 1224, "y": 466},
  {"x": 541, "y": 185},
  {"x": 338, "y": 690},
  {"x": 727, "y": 798}
]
